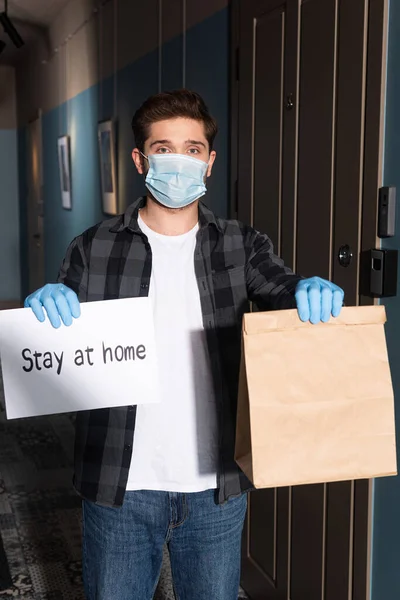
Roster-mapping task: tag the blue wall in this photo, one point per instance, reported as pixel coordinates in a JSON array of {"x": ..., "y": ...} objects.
[
  {"x": 207, "y": 71},
  {"x": 9, "y": 222},
  {"x": 386, "y": 532},
  {"x": 61, "y": 226}
]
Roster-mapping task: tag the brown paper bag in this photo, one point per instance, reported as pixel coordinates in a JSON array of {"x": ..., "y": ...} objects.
[{"x": 315, "y": 401}]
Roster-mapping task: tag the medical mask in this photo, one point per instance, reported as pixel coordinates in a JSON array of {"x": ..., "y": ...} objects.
[{"x": 176, "y": 180}]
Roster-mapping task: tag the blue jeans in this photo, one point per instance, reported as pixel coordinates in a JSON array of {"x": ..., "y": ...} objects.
[{"x": 123, "y": 547}]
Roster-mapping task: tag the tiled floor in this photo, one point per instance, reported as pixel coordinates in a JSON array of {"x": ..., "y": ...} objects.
[{"x": 40, "y": 515}]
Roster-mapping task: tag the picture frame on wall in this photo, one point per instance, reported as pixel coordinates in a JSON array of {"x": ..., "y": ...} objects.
[
  {"x": 107, "y": 153},
  {"x": 64, "y": 165}
]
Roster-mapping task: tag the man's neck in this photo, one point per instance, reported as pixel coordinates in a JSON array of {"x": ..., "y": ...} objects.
[{"x": 167, "y": 221}]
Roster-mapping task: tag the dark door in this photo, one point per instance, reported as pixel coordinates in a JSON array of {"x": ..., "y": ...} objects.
[{"x": 307, "y": 121}]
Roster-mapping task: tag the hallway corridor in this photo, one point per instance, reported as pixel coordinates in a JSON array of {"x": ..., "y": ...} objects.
[
  {"x": 40, "y": 514},
  {"x": 39, "y": 510}
]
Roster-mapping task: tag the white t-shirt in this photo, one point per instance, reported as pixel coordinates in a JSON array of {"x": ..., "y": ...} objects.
[{"x": 175, "y": 446}]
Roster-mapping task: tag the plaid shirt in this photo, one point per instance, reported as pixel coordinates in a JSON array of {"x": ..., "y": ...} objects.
[{"x": 234, "y": 264}]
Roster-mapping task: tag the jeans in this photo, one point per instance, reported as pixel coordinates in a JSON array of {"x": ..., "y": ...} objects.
[{"x": 123, "y": 547}]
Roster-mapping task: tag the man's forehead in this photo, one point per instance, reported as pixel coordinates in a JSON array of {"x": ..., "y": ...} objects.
[{"x": 177, "y": 129}]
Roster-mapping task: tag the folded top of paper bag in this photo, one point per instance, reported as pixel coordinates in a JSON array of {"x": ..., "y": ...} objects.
[{"x": 262, "y": 322}]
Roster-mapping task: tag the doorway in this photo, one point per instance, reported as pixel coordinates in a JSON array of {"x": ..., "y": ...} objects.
[{"x": 307, "y": 122}]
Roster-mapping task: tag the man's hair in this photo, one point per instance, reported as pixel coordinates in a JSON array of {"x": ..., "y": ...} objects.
[{"x": 171, "y": 105}]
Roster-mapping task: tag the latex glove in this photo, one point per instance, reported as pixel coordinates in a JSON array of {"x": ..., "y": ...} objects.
[
  {"x": 58, "y": 300},
  {"x": 318, "y": 299}
]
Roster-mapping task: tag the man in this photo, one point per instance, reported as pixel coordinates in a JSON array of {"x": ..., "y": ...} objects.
[{"x": 166, "y": 473}]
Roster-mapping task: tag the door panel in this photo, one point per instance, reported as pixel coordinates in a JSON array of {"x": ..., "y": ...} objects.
[
  {"x": 350, "y": 141},
  {"x": 264, "y": 11},
  {"x": 309, "y": 118},
  {"x": 362, "y": 540},
  {"x": 373, "y": 142},
  {"x": 261, "y": 136},
  {"x": 307, "y": 542},
  {"x": 290, "y": 133},
  {"x": 263, "y": 522},
  {"x": 269, "y": 37},
  {"x": 316, "y": 136},
  {"x": 339, "y": 536}
]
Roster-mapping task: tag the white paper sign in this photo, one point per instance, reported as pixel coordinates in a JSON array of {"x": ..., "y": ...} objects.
[{"x": 106, "y": 358}]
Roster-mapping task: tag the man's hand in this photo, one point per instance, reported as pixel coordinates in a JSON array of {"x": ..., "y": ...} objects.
[
  {"x": 58, "y": 300},
  {"x": 318, "y": 299}
]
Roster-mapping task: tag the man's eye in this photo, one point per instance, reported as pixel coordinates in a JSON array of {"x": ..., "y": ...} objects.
[
  {"x": 163, "y": 150},
  {"x": 193, "y": 150}
]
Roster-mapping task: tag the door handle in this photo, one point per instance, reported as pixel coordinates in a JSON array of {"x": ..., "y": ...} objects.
[
  {"x": 289, "y": 102},
  {"x": 345, "y": 256}
]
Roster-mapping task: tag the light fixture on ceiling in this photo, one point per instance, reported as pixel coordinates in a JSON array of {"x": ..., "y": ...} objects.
[{"x": 9, "y": 28}]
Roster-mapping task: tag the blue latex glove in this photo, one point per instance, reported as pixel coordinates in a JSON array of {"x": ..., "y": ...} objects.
[
  {"x": 58, "y": 300},
  {"x": 318, "y": 299}
]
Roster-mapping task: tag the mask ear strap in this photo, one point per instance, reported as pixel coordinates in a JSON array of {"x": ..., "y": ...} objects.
[{"x": 144, "y": 156}]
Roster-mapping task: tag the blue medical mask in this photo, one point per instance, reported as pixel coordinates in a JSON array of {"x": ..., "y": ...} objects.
[{"x": 176, "y": 180}]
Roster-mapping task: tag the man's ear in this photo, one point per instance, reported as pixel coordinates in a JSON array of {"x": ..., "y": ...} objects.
[
  {"x": 138, "y": 160},
  {"x": 211, "y": 160}
]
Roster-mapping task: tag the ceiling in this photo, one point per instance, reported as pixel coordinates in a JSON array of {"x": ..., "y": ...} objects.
[
  {"x": 38, "y": 12},
  {"x": 30, "y": 17}
]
